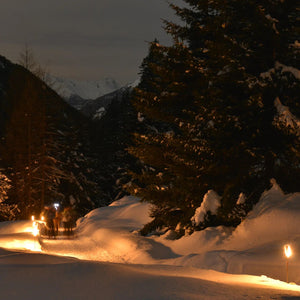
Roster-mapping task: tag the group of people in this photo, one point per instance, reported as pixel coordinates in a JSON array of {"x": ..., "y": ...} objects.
[{"x": 54, "y": 219}]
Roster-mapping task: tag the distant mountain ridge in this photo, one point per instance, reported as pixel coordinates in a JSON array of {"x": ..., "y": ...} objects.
[
  {"x": 95, "y": 109},
  {"x": 75, "y": 92}
]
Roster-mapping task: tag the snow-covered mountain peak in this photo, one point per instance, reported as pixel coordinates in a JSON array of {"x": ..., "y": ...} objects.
[{"x": 67, "y": 88}]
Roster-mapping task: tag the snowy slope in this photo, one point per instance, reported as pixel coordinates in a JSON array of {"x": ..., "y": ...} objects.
[
  {"x": 197, "y": 266},
  {"x": 84, "y": 89}
]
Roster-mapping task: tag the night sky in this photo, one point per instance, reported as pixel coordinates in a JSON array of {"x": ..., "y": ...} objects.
[{"x": 84, "y": 39}]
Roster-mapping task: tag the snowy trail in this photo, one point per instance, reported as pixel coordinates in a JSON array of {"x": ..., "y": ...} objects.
[
  {"x": 40, "y": 276},
  {"x": 35, "y": 274},
  {"x": 108, "y": 259}
]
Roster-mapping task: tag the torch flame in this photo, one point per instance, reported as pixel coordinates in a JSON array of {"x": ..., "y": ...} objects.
[
  {"x": 35, "y": 229},
  {"x": 32, "y": 218},
  {"x": 287, "y": 251}
]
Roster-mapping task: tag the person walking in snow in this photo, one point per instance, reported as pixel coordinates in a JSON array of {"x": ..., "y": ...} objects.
[
  {"x": 56, "y": 221},
  {"x": 67, "y": 220},
  {"x": 49, "y": 217}
]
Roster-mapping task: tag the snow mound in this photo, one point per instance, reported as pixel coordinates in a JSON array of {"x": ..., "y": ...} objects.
[
  {"x": 127, "y": 213},
  {"x": 111, "y": 234},
  {"x": 274, "y": 218}
]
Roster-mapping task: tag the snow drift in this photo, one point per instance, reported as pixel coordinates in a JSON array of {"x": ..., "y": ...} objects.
[{"x": 255, "y": 247}]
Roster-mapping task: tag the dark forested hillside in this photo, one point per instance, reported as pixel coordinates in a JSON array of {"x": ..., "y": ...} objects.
[
  {"x": 95, "y": 109},
  {"x": 45, "y": 145},
  {"x": 112, "y": 138},
  {"x": 53, "y": 153}
]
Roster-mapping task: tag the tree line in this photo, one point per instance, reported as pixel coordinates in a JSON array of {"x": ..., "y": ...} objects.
[{"x": 44, "y": 149}]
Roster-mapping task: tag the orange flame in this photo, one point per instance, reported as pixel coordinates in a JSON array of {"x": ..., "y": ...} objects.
[{"x": 287, "y": 251}]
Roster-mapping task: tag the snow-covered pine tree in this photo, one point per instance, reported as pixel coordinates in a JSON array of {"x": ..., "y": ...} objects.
[
  {"x": 4, "y": 187},
  {"x": 226, "y": 133},
  {"x": 233, "y": 51},
  {"x": 240, "y": 135},
  {"x": 281, "y": 85},
  {"x": 168, "y": 179},
  {"x": 7, "y": 211}
]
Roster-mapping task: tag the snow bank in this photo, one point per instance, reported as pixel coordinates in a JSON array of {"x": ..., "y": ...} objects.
[
  {"x": 127, "y": 213},
  {"x": 15, "y": 227},
  {"x": 255, "y": 247},
  {"x": 275, "y": 218},
  {"x": 198, "y": 241}
]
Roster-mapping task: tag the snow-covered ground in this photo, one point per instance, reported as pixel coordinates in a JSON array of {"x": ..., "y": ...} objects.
[{"x": 108, "y": 259}]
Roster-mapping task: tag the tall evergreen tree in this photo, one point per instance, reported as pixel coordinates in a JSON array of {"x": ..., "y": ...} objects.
[
  {"x": 215, "y": 91},
  {"x": 30, "y": 149}
]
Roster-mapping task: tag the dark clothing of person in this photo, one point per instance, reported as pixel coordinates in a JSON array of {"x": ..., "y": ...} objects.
[
  {"x": 49, "y": 216},
  {"x": 56, "y": 222}
]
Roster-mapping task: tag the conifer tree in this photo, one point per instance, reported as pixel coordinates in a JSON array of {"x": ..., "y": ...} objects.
[
  {"x": 4, "y": 186},
  {"x": 215, "y": 90},
  {"x": 29, "y": 152},
  {"x": 162, "y": 99},
  {"x": 7, "y": 212}
]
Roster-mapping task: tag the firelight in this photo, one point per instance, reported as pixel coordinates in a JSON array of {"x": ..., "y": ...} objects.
[{"x": 288, "y": 253}]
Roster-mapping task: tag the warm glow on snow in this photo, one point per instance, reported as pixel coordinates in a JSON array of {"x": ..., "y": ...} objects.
[
  {"x": 110, "y": 234},
  {"x": 245, "y": 280},
  {"x": 262, "y": 281},
  {"x": 31, "y": 245},
  {"x": 287, "y": 251},
  {"x": 27, "y": 229},
  {"x": 23, "y": 237}
]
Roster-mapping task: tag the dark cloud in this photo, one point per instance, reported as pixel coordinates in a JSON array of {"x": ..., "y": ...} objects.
[{"x": 86, "y": 39}]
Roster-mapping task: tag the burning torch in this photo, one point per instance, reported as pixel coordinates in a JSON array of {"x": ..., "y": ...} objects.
[{"x": 288, "y": 253}]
